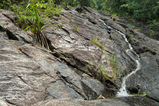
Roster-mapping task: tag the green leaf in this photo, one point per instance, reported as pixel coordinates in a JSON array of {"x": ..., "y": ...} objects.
[{"x": 27, "y": 28}]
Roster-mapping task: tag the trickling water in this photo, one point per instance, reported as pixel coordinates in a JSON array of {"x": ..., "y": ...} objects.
[
  {"x": 122, "y": 91},
  {"x": 133, "y": 55}
]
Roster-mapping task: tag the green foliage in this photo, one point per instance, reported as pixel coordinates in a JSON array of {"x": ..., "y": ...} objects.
[
  {"x": 74, "y": 28},
  {"x": 1, "y": 5},
  {"x": 138, "y": 29},
  {"x": 113, "y": 63},
  {"x": 154, "y": 26},
  {"x": 152, "y": 33},
  {"x": 85, "y": 2},
  {"x": 67, "y": 3},
  {"x": 89, "y": 63},
  {"x": 142, "y": 10},
  {"x": 131, "y": 26},
  {"x": 146, "y": 11},
  {"x": 78, "y": 3},
  {"x": 141, "y": 94},
  {"x": 114, "y": 72},
  {"x": 101, "y": 71},
  {"x": 131, "y": 35},
  {"x": 6, "y": 4},
  {"x": 98, "y": 44},
  {"x": 69, "y": 7},
  {"x": 102, "y": 5},
  {"x": 114, "y": 16},
  {"x": 34, "y": 17}
]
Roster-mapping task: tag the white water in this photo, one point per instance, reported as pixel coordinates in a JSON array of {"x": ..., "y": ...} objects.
[
  {"x": 122, "y": 91},
  {"x": 132, "y": 54}
]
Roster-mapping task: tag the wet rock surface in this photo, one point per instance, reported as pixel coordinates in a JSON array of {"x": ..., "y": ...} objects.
[
  {"x": 69, "y": 73},
  {"x": 146, "y": 79}
]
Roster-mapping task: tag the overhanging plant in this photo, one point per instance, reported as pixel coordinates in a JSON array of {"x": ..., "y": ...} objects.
[{"x": 35, "y": 17}]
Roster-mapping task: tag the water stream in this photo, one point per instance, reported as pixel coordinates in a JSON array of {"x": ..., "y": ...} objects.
[{"x": 133, "y": 55}]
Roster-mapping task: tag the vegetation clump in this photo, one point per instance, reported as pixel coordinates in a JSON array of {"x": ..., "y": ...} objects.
[
  {"x": 146, "y": 11},
  {"x": 98, "y": 44},
  {"x": 113, "y": 63},
  {"x": 34, "y": 15},
  {"x": 139, "y": 93},
  {"x": 75, "y": 27}
]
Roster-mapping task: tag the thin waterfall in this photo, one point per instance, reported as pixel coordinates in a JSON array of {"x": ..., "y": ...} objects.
[{"x": 132, "y": 54}]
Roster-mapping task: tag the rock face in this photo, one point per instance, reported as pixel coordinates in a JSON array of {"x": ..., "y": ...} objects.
[
  {"x": 138, "y": 101},
  {"x": 147, "y": 77},
  {"x": 86, "y": 60}
]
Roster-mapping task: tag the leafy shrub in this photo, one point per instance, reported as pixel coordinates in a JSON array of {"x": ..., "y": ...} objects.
[
  {"x": 1, "y": 5},
  {"x": 152, "y": 33},
  {"x": 131, "y": 26}
]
